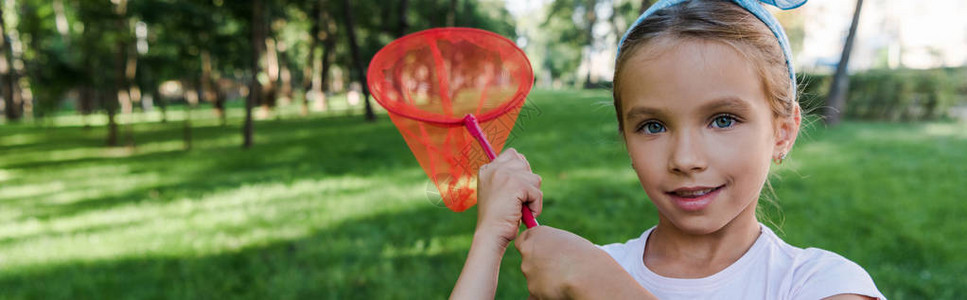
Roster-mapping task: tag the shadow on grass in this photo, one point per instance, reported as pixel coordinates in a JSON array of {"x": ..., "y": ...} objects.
[{"x": 290, "y": 150}]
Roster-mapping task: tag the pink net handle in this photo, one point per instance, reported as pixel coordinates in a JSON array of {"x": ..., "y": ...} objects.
[{"x": 471, "y": 123}]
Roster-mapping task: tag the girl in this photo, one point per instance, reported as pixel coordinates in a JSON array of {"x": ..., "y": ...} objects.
[{"x": 705, "y": 98}]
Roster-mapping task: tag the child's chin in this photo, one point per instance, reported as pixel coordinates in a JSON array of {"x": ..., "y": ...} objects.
[{"x": 699, "y": 225}]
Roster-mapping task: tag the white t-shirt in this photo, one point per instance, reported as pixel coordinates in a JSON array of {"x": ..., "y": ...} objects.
[{"x": 771, "y": 269}]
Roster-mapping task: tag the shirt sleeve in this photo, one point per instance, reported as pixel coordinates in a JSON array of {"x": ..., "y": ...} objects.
[{"x": 820, "y": 274}]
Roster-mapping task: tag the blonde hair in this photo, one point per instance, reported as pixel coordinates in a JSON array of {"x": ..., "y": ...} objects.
[{"x": 721, "y": 21}]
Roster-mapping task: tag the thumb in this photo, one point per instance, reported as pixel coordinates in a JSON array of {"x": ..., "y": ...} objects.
[
  {"x": 524, "y": 238},
  {"x": 521, "y": 238}
]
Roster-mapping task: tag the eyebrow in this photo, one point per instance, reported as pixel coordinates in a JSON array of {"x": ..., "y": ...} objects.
[
  {"x": 727, "y": 103},
  {"x": 642, "y": 111}
]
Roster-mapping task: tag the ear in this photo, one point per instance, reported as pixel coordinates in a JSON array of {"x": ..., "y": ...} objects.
[{"x": 787, "y": 129}]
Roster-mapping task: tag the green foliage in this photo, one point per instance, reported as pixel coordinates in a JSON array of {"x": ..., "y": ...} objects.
[
  {"x": 179, "y": 31},
  {"x": 565, "y": 31},
  {"x": 334, "y": 207},
  {"x": 892, "y": 95},
  {"x": 900, "y": 95}
]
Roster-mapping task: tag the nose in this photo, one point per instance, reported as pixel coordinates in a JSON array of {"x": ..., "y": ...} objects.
[{"x": 687, "y": 154}]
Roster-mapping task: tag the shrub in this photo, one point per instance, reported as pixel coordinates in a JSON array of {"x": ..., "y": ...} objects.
[{"x": 890, "y": 95}]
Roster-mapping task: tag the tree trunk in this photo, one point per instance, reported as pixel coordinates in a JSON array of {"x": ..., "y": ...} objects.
[
  {"x": 285, "y": 76},
  {"x": 86, "y": 99},
  {"x": 220, "y": 102},
  {"x": 357, "y": 60},
  {"x": 321, "y": 87},
  {"x": 8, "y": 76},
  {"x": 207, "y": 88},
  {"x": 452, "y": 14},
  {"x": 120, "y": 90},
  {"x": 110, "y": 105},
  {"x": 836, "y": 101},
  {"x": 192, "y": 95},
  {"x": 127, "y": 91},
  {"x": 270, "y": 90},
  {"x": 24, "y": 95},
  {"x": 591, "y": 18},
  {"x": 308, "y": 73},
  {"x": 253, "y": 90}
]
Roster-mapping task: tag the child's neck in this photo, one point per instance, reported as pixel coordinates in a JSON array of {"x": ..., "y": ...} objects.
[{"x": 670, "y": 252}]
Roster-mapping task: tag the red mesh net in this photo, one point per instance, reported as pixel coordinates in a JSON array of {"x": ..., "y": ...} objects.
[{"x": 430, "y": 80}]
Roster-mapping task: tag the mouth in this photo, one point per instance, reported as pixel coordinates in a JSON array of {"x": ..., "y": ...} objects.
[{"x": 694, "y": 198}]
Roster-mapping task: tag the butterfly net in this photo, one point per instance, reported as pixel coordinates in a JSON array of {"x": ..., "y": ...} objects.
[{"x": 430, "y": 80}]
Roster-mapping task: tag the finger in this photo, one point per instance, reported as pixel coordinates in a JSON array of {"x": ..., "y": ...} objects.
[
  {"x": 509, "y": 155},
  {"x": 531, "y": 194},
  {"x": 532, "y": 179},
  {"x": 515, "y": 161},
  {"x": 535, "y": 200},
  {"x": 524, "y": 159},
  {"x": 506, "y": 155}
]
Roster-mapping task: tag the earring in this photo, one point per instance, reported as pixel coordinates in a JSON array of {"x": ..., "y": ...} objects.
[{"x": 778, "y": 160}]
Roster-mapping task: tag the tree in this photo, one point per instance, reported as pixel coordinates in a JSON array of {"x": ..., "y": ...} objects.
[
  {"x": 451, "y": 14},
  {"x": 97, "y": 49},
  {"x": 8, "y": 75},
  {"x": 836, "y": 101},
  {"x": 309, "y": 73},
  {"x": 115, "y": 55},
  {"x": 254, "y": 86},
  {"x": 357, "y": 60},
  {"x": 570, "y": 23},
  {"x": 328, "y": 52},
  {"x": 49, "y": 69},
  {"x": 590, "y": 16},
  {"x": 121, "y": 74}
]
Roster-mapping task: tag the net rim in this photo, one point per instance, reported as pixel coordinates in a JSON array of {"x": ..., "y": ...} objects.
[{"x": 519, "y": 96}]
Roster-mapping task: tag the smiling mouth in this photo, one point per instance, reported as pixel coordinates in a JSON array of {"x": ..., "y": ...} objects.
[
  {"x": 694, "y": 198},
  {"x": 694, "y": 192}
]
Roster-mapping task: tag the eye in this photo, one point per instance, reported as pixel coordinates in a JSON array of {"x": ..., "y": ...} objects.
[
  {"x": 723, "y": 121},
  {"x": 651, "y": 127}
]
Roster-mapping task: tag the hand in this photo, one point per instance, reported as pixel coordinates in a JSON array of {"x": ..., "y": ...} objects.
[
  {"x": 561, "y": 265},
  {"x": 552, "y": 259},
  {"x": 503, "y": 187}
]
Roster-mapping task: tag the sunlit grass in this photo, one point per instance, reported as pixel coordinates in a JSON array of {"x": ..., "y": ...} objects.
[{"x": 330, "y": 206}]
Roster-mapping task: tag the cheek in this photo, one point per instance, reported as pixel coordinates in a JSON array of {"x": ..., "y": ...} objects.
[
  {"x": 648, "y": 161},
  {"x": 746, "y": 159}
]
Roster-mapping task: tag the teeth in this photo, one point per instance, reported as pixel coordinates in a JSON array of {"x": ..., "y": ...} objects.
[{"x": 694, "y": 193}]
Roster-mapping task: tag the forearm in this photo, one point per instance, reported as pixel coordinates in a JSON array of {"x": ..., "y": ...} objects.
[
  {"x": 607, "y": 280},
  {"x": 478, "y": 279}
]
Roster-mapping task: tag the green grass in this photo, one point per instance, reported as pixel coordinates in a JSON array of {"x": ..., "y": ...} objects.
[{"x": 330, "y": 206}]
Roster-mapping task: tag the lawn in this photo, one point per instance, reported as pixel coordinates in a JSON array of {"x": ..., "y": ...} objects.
[{"x": 330, "y": 206}]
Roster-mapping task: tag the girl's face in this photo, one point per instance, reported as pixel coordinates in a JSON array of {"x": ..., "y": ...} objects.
[{"x": 700, "y": 132}]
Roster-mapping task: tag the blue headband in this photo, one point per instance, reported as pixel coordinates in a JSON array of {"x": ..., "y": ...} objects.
[{"x": 751, "y": 6}]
